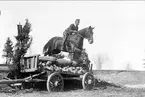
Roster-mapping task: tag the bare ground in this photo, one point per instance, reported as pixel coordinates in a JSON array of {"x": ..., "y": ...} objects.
[{"x": 98, "y": 92}]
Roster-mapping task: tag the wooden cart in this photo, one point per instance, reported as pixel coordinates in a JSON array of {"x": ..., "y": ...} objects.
[{"x": 37, "y": 68}]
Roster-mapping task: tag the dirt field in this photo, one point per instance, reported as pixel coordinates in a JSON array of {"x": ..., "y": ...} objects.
[
  {"x": 111, "y": 84},
  {"x": 121, "y": 78},
  {"x": 98, "y": 92}
]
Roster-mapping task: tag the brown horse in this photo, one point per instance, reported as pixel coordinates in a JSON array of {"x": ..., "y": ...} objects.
[{"x": 74, "y": 43}]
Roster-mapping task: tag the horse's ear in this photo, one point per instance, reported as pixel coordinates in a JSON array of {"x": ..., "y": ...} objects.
[{"x": 91, "y": 27}]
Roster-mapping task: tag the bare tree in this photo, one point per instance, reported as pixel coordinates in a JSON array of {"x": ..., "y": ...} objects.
[
  {"x": 100, "y": 59},
  {"x": 128, "y": 66}
]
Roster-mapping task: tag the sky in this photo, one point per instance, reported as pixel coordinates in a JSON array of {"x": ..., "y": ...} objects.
[{"x": 119, "y": 27}]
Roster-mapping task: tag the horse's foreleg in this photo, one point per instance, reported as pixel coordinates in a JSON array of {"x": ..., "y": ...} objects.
[{"x": 77, "y": 50}]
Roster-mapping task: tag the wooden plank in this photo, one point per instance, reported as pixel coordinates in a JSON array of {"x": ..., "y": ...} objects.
[
  {"x": 36, "y": 61},
  {"x": 32, "y": 62},
  {"x": 29, "y": 70},
  {"x": 72, "y": 78},
  {"x": 27, "y": 64},
  {"x": 32, "y": 56}
]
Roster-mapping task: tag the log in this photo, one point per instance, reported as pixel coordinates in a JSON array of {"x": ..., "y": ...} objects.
[
  {"x": 19, "y": 81},
  {"x": 47, "y": 58},
  {"x": 63, "y": 62},
  {"x": 54, "y": 59},
  {"x": 12, "y": 81},
  {"x": 27, "y": 79}
]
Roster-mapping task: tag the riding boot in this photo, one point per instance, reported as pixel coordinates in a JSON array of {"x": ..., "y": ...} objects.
[
  {"x": 63, "y": 43},
  {"x": 62, "y": 48}
]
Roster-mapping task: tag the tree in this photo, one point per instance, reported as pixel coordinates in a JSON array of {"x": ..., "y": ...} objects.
[
  {"x": 24, "y": 41},
  {"x": 8, "y": 50},
  {"x": 128, "y": 66},
  {"x": 100, "y": 59}
]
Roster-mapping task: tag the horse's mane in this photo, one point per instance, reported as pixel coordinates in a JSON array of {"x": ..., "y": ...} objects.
[{"x": 81, "y": 30}]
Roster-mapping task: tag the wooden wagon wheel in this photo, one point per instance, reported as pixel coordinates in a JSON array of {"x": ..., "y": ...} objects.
[
  {"x": 88, "y": 81},
  {"x": 55, "y": 82}
]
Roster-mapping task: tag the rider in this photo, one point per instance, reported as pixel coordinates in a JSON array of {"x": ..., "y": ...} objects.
[{"x": 73, "y": 28}]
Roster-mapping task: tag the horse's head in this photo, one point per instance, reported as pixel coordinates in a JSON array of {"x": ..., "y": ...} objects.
[{"x": 89, "y": 34}]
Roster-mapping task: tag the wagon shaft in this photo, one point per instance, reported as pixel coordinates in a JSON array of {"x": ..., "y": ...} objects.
[{"x": 12, "y": 81}]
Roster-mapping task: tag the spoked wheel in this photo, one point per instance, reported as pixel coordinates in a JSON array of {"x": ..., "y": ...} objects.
[
  {"x": 88, "y": 81},
  {"x": 55, "y": 82}
]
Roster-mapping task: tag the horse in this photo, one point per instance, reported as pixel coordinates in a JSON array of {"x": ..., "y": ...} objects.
[{"x": 74, "y": 43}]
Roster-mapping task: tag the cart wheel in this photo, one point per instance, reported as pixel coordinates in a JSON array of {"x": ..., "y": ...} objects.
[
  {"x": 88, "y": 81},
  {"x": 55, "y": 82}
]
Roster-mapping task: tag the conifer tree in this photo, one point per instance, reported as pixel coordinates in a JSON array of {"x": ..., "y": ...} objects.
[
  {"x": 8, "y": 50},
  {"x": 24, "y": 41}
]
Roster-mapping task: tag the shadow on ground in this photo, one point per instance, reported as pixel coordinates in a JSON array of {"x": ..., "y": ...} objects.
[
  {"x": 104, "y": 85},
  {"x": 69, "y": 85}
]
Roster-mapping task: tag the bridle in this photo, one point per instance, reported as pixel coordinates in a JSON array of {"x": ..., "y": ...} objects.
[{"x": 80, "y": 35}]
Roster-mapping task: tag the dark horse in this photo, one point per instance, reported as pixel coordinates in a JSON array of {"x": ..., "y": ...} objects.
[{"x": 74, "y": 42}]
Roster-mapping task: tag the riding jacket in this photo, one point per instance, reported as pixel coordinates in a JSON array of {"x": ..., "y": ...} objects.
[{"x": 71, "y": 29}]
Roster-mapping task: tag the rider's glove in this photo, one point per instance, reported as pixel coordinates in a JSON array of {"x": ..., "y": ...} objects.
[{"x": 74, "y": 32}]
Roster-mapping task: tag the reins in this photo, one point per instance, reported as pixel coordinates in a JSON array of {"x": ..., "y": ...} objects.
[{"x": 80, "y": 35}]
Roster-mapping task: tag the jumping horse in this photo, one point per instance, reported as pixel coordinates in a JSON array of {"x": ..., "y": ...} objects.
[{"x": 74, "y": 43}]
